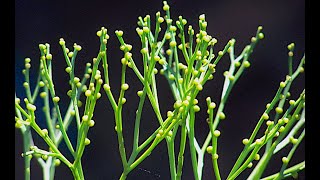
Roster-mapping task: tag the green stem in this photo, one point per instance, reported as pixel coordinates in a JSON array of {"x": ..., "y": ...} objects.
[
  {"x": 191, "y": 144},
  {"x": 288, "y": 172},
  {"x": 171, "y": 154},
  {"x": 183, "y": 139}
]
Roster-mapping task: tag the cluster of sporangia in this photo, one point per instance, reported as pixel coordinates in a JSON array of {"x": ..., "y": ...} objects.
[{"x": 185, "y": 80}]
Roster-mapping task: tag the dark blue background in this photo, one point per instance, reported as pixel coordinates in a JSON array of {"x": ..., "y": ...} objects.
[{"x": 77, "y": 21}]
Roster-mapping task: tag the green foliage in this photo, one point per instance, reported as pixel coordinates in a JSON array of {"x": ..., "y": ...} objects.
[{"x": 187, "y": 73}]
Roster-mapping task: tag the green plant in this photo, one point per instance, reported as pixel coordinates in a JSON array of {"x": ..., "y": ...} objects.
[{"x": 187, "y": 62}]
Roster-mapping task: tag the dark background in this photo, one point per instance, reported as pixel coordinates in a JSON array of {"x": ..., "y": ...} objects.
[{"x": 77, "y": 21}]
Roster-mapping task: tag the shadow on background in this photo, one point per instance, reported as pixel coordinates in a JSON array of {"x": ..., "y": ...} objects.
[{"x": 77, "y": 21}]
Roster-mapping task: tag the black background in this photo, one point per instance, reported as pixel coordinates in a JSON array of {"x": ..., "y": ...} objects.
[{"x": 77, "y": 21}]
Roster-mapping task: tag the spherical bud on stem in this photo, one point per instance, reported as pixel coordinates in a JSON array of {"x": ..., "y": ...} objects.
[
  {"x": 196, "y": 108},
  {"x": 258, "y": 141},
  {"x": 76, "y": 79},
  {"x": 285, "y": 160},
  {"x": 195, "y": 72},
  {"x": 128, "y": 47},
  {"x": 169, "y": 52},
  {"x": 68, "y": 70},
  {"x": 57, "y": 126},
  {"x": 156, "y": 58},
  {"x": 261, "y": 35},
  {"x": 17, "y": 100},
  {"x": 57, "y": 162},
  {"x": 41, "y": 84},
  {"x": 123, "y": 100},
  {"x": 265, "y": 116},
  {"x": 180, "y": 80},
  {"x": 155, "y": 71},
  {"x": 106, "y": 87},
  {"x": 268, "y": 105},
  {"x": 216, "y": 133},
  {"x": 139, "y": 93},
  {"x": 167, "y": 36},
  {"x": 160, "y": 19},
  {"x": 25, "y": 84},
  {"x": 26, "y": 100},
  {"x": 231, "y": 77},
  {"x": 290, "y": 46},
  {"x": 173, "y": 43},
  {"x": 257, "y": 157},
  {"x": 162, "y": 62},
  {"x": 70, "y": 54},
  {"x": 281, "y": 122},
  {"x": 129, "y": 64},
  {"x": 199, "y": 87},
  {"x": 170, "y": 133},
  {"x": 85, "y": 118},
  {"x": 250, "y": 165},
  {"x": 43, "y": 94},
  {"x": 87, "y": 141},
  {"x": 27, "y": 65},
  {"x": 222, "y": 115},
  {"x": 301, "y": 69},
  {"x": 144, "y": 51},
  {"x": 44, "y": 157},
  {"x": 288, "y": 94},
  {"x": 69, "y": 93},
  {"x": 79, "y": 103},
  {"x": 282, "y": 84},
  {"x": 98, "y": 96},
  {"x": 293, "y": 140},
  {"x": 286, "y": 120},
  {"x": 128, "y": 55},
  {"x": 177, "y": 104},
  {"x": 202, "y": 17},
  {"x": 124, "y": 86},
  {"x": 91, "y": 123},
  {"x": 220, "y": 53},
  {"x": 72, "y": 112},
  {"x": 78, "y": 84},
  {"x": 290, "y": 53},
  {"x": 31, "y": 107},
  {"x": 160, "y": 131},
  {"x": 185, "y": 102},
  {"x": 119, "y": 33},
  {"x": 146, "y": 29},
  {"x": 204, "y": 24},
  {"x": 246, "y": 64},
  {"x": 253, "y": 39},
  {"x": 171, "y": 76},
  {"x": 215, "y": 156},
  {"x": 269, "y": 123},
  {"x": 88, "y": 93},
  {"x": 169, "y": 114},
  {"x": 166, "y": 7},
  {"x": 279, "y": 110},
  {"x": 18, "y": 124},
  {"x": 209, "y": 149},
  {"x": 99, "y": 33},
  {"x": 212, "y": 105},
  {"x": 158, "y": 136},
  {"x": 139, "y": 31},
  {"x": 281, "y": 129},
  {"x": 237, "y": 64},
  {"x": 44, "y": 132},
  {"x": 27, "y": 60}
]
